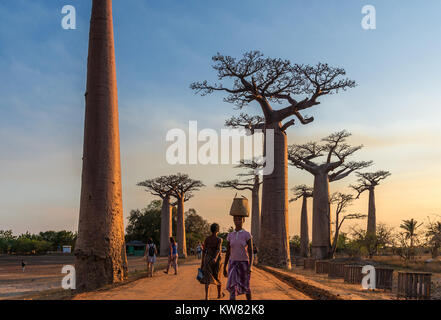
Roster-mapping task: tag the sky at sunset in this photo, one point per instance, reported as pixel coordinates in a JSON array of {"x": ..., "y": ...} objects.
[{"x": 163, "y": 46}]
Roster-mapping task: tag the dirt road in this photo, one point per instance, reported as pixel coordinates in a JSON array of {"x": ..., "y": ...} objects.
[{"x": 184, "y": 286}]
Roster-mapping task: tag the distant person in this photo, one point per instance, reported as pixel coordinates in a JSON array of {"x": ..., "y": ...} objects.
[
  {"x": 150, "y": 255},
  {"x": 199, "y": 250},
  {"x": 173, "y": 256},
  {"x": 211, "y": 261},
  {"x": 239, "y": 259},
  {"x": 23, "y": 265},
  {"x": 255, "y": 252}
]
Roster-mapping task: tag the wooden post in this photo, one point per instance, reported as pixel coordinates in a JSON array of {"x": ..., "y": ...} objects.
[
  {"x": 309, "y": 263},
  {"x": 336, "y": 270},
  {"x": 384, "y": 278},
  {"x": 414, "y": 285},
  {"x": 299, "y": 262},
  {"x": 322, "y": 266},
  {"x": 353, "y": 274}
]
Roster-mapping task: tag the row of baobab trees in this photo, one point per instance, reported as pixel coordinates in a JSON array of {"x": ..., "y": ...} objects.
[
  {"x": 333, "y": 149},
  {"x": 271, "y": 82},
  {"x": 282, "y": 90}
]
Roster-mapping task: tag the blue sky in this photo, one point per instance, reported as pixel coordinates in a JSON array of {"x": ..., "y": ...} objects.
[{"x": 163, "y": 46}]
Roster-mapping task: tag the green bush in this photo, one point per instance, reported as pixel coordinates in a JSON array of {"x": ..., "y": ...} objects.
[{"x": 28, "y": 246}]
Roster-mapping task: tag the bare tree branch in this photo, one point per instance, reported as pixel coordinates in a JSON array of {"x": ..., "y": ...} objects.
[
  {"x": 301, "y": 191},
  {"x": 235, "y": 184},
  {"x": 268, "y": 80},
  {"x": 369, "y": 180}
]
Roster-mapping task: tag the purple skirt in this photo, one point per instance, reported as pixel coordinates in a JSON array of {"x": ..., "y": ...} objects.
[{"x": 238, "y": 278}]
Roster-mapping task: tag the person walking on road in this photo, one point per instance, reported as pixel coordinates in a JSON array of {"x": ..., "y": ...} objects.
[
  {"x": 199, "y": 250},
  {"x": 150, "y": 255},
  {"x": 239, "y": 259},
  {"x": 173, "y": 256},
  {"x": 211, "y": 263}
]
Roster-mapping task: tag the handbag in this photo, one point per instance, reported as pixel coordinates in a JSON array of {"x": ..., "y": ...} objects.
[{"x": 200, "y": 275}]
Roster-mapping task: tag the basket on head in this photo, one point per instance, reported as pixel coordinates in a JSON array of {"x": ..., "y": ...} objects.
[{"x": 240, "y": 207}]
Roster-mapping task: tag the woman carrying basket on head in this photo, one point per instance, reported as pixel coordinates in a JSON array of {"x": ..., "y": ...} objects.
[{"x": 239, "y": 255}]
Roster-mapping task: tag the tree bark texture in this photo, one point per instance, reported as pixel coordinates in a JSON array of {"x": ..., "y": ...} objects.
[
  {"x": 100, "y": 249},
  {"x": 166, "y": 226},
  {"x": 304, "y": 235},
  {"x": 180, "y": 233},
  {"x": 273, "y": 243},
  {"x": 321, "y": 231},
  {"x": 371, "y": 223},
  {"x": 255, "y": 214}
]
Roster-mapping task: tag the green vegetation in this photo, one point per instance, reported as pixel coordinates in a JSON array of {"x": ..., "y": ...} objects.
[
  {"x": 146, "y": 223},
  {"x": 35, "y": 243}
]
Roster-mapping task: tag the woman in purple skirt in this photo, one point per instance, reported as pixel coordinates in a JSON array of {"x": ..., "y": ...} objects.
[{"x": 239, "y": 259}]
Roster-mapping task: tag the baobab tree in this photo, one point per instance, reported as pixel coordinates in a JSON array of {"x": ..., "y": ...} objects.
[
  {"x": 100, "y": 251},
  {"x": 367, "y": 182},
  {"x": 252, "y": 183},
  {"x": 162, "y": 187},
  {"x": 335, "y": 167},
  {"x": 304, "y": 192},
  {"x": 270, "y": 81},
  {"x": 183, "y": 188},
  {"x": 342, "y": 202}
]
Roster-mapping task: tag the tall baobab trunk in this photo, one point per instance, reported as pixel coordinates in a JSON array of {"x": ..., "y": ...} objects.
[
  {"x": 100, "y": 248},
  {"x": 371, "y": 226},
  {"x": 166, "y": 226},
  {"x": 180, "y": 232},
  {"x": 304, "y": 235},
  {"x": 274, "y": 244},
  {"x": 321, "y": 231},
  {"x": 255, "y": 213}
]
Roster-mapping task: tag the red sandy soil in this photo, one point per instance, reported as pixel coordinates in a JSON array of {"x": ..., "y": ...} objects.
[
  {"x": 41, "y": 273},
  {"x": 184, "y": 286}
]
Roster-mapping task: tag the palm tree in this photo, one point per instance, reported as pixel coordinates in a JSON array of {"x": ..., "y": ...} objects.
[{"x": 410, "y": 230}]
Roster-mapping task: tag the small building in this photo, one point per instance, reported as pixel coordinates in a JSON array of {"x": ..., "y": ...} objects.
[
  {"x": 67, "y": 249},
  {"x": 135, "y": 248}
]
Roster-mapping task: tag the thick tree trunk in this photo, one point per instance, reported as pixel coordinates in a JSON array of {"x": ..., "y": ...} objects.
[
  {"x": 180, "y": 232},
  {"x": 304, "y": 235},
  {"x": 166, "y": 226},
  {"x": 321, "y": 236},
  {"x": 334, "y": 243},
  {"x": 100, "y": 249},
  {"x": 372, "y": 223},
  {"x": 273, "y": 243},
  {"x": 255, "y": 214}
]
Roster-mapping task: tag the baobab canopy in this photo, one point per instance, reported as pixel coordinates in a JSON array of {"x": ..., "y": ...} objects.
[
  {"x": 274, "y": 81},
  {"x": 265, "y": 80}
]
